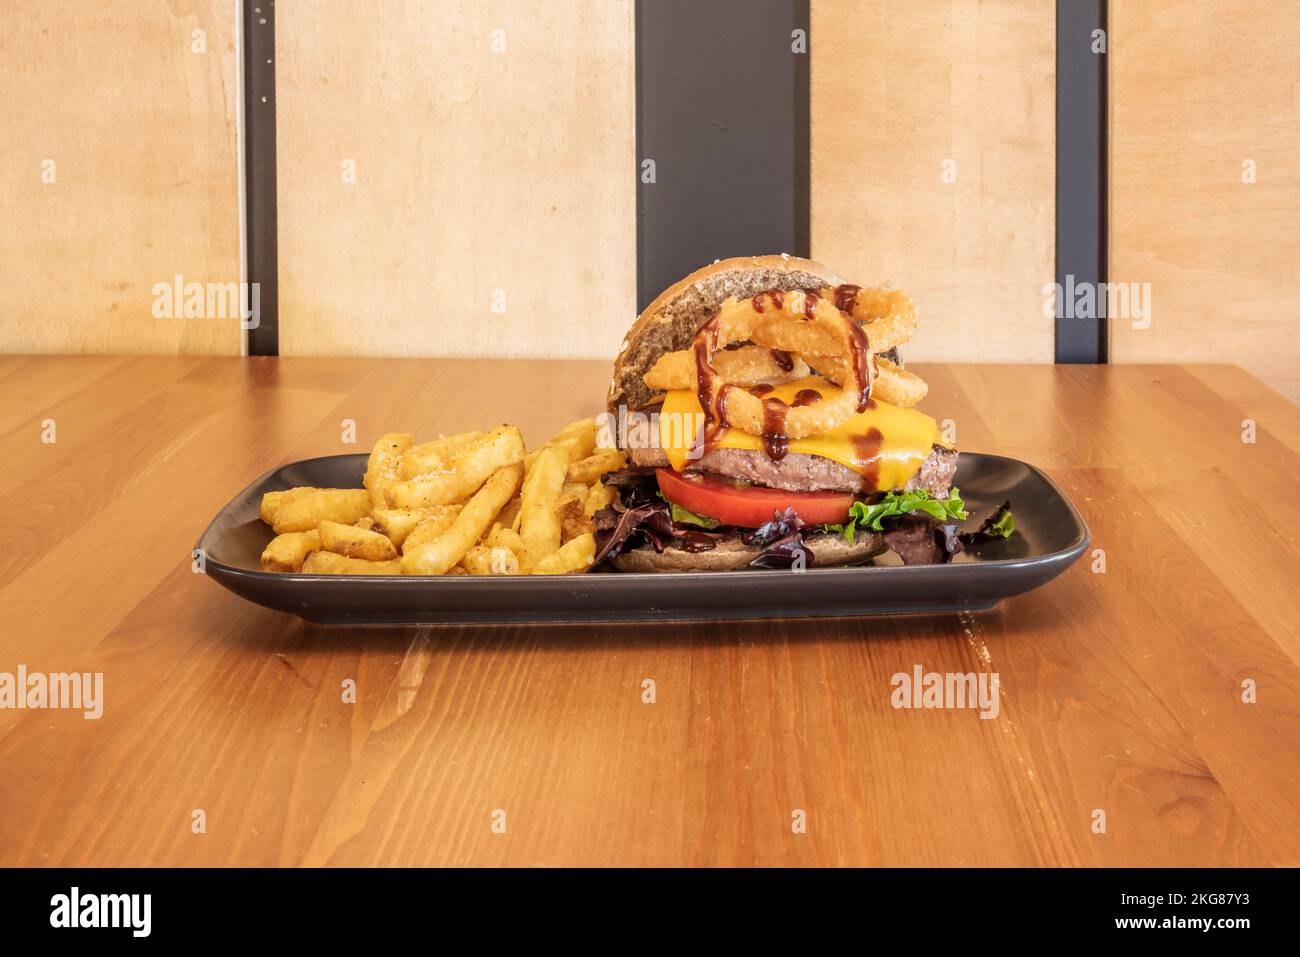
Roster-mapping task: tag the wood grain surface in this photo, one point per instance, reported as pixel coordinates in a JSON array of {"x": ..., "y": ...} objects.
[
  {"x": 1205, "y": 161},
  {"x": 120, "y": 170},
  {"x": 1121, "y": 690},
  {"x": 456, "y": 177},
  {"x": 933, "y": 165}
]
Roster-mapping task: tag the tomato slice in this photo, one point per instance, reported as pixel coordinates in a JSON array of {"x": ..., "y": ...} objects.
[{"x": 750, "y": 506}]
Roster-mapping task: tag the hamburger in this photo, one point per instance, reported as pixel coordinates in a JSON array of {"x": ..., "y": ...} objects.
[{"x": 768, "y": 421}]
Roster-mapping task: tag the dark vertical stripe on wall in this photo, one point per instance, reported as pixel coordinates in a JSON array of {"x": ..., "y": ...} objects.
[
  {"x": 1081, "y": 189},
  {"x": 801, "y": 141},
  {"x": 722, "y": 113},
  {"x": 259, "y": 172}
]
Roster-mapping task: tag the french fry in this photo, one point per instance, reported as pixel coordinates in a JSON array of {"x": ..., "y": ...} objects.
[
  {"x": 577, "y": 438},
  {"x": 269, "y": 503},
  {"x": 442, "y": 553},
  {"x": 285, "y": 553},
  {"x": 574, "y": 491},
  {"x": 305, "y": 512},
  {"x": 440, "y": 519},
  {"x": 600, "y": 496},
  {"x": 589, "y": 470},
  {"x": 574, "y": 557},
  {"x": 486, "y": 560},
  {"x": 539, "y": 521},
  {"x": 273, "y": 500},
  {"x": 458, "y": 480},
  {"x": 385, "y": 465},
  {"x": 471, "y": 504},
  {"x": 438, "y": 454},
  {"x": 355, "y": 542},
  {"x": 330, "y": 563},
  {"x": 397, "y": 523},
  {"x": 502, "y": 537}
]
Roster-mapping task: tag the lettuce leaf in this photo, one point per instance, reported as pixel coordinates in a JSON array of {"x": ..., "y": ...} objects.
[
  {"x": 862, "y": 515},
  {"x": 1003, "y": 525},
  {"x": 687, "y": 517}
]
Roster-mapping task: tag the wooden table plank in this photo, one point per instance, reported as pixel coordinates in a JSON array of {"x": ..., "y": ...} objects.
[
  {"x": 1120, "y": 691},
  {"x": 1181, "y": 445},
  {"x": 1166, "y": 615},
  {"x": 1276, "y": 416},
  {"x": 44, "y": 381}
]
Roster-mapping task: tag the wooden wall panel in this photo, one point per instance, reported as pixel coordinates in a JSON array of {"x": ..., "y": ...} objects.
[
  {"x": 142, "y": 133},
  {"x": 483, "y": 178},
  {"x": 898, "y": 88},
  {"x": 1199, "y": 87}
]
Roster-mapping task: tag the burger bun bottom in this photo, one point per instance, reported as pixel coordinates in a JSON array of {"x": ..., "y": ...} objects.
[{"x": 732, "y": 554}]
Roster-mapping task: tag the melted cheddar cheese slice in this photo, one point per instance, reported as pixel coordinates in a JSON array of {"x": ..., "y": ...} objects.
[{"x": 884, "y": 443}]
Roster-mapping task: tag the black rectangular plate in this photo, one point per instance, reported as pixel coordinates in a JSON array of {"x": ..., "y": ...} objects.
[{"x": 1050, "y": 536}]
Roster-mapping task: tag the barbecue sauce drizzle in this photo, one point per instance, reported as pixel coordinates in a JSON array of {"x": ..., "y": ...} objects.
[
  {"x": 846, "y": 297},
  {"x": 706, "y": 343},
  {"x": 860, "y": 353},
  {"x": 775, "y": 442},
  {"x": 866, "y": 452}
]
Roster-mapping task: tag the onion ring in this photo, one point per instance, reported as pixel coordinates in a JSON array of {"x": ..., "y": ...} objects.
[
  {"x": 798, "y": 321},
  {"x": 898, "y": 386},
  {"x": 888, "y": 314},
  {"x": 892, "y": 384},
  {"x": 746, "y": 366}
]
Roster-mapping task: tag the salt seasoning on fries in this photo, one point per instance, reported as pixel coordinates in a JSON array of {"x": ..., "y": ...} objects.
[
  {"x": 437, "y": 557},
  {"x": 432, "y": 527},
  {"x": 457, "y": 478},
  {"x": 438, "y": 454},
  {"x": 385, "y": 465}
]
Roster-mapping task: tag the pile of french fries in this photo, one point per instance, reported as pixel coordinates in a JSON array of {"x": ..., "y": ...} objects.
[{"x": 472, "y": 504}]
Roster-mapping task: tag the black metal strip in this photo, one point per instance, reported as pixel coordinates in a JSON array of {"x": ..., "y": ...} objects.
[
  {"x": 259, "y": 174},
  {"x": 802, "y": 127},
  {"x": 1081, "y": 171},
  {"x": 722, "y": 134}
]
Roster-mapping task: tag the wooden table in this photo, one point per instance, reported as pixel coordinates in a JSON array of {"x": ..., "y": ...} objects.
[{"x": 1121, "y": 691}]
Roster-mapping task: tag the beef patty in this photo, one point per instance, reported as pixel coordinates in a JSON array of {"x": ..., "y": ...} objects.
[{"x": 801, "y": 472}]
